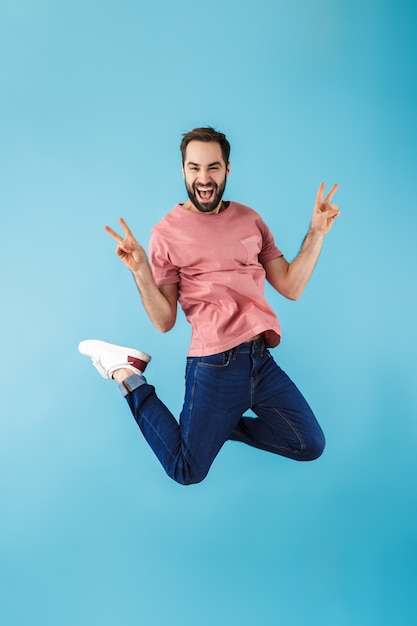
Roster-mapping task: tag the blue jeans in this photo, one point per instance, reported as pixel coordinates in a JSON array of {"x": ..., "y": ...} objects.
[{"x": 219, "y": 389}]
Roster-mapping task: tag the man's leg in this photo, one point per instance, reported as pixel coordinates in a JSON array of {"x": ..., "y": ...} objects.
[
  {"x": 214, "y": 401},
  {"x": 285, "y": 424}
]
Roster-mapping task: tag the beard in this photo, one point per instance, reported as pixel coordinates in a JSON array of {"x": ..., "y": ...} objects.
[{"x": 206, "y": 207}]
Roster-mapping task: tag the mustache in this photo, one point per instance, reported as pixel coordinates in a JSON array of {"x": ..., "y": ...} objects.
[{"x": 208, "y": 186}]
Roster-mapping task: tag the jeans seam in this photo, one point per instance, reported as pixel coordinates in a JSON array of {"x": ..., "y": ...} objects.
[
  {"x": 190, "y": 404},
  {"x": 295, "y": 431},
  {"x": 155, "y": 430}
]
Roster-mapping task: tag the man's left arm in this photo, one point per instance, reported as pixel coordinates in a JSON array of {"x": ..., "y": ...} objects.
[{"x": 290, "y": 279}]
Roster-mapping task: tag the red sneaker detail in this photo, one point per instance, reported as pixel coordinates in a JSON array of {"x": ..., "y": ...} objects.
[{"x": 138, "y": 363}]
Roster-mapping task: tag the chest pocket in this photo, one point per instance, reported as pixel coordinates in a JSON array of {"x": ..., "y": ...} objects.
[{"x": 252, "y": 247}]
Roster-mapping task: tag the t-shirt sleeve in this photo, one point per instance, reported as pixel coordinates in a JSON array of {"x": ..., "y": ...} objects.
[
  {"x": 163, "y": 270},
  {"x": 269, "y": 249}
]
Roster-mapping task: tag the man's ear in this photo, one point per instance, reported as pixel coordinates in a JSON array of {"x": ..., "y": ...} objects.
[{"x": 228, "y": 169}]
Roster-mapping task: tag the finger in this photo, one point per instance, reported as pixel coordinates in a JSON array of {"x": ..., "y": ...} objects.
[
  {"x": 113, "y": 234},
  {"x": 319, "y": 197},
  {"x": 331, "y": 193},
  {"x": 125, "y": 227},
  {"x": 332, "y": 213},
  {"x": 331, "y": 209}
]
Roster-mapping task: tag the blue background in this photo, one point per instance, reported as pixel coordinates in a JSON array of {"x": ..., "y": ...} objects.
[{"x": 95, "y": 96}]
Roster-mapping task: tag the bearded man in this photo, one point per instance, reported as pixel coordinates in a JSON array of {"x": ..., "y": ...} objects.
[{"x": 212, "y": 257}]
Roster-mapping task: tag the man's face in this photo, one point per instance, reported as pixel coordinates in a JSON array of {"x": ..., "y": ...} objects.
[{"x": 205, "y": 174}]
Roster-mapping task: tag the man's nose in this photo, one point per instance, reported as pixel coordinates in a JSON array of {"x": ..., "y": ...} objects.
[{"x": 204, "y": 177}]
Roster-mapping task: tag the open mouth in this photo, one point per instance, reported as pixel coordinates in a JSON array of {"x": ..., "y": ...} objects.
[{"x": 206, "y": 194}]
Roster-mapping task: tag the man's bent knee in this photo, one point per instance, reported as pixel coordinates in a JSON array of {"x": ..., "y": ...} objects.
[
  {"x": 185, "y": 475},
  {"x": 314, "y": 448}
]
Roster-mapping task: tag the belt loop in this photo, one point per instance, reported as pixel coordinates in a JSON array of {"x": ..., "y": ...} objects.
[{"x": 258, "y": 346}]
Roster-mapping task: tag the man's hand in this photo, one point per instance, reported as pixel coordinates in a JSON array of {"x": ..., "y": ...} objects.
[
  {"x": 160, "y": 302},
  {"x": 324, "y": 213},
  {"x": 290, "y": 279},
  {"x": 128, "y": 250}
]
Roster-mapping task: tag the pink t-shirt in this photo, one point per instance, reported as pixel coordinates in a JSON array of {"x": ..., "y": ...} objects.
[{"x": 217, "y": 260}]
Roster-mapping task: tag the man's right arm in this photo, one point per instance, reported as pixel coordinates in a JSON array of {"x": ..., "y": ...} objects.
[{"x": 160, "y": 302}]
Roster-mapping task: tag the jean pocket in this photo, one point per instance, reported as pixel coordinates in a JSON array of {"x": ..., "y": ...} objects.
[{"x": 222, "y": 359}]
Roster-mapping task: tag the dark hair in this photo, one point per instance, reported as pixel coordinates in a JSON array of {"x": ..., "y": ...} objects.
[{"x": 206, "y": 134}]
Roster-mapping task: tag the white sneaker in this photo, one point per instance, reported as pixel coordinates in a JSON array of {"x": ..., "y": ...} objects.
[{"x": 108, "y": 357}]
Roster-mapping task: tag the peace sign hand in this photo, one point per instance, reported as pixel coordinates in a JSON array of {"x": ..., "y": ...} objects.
[
  {"x": 128, "y": 250},
  {"x": 324, "y": 213}
]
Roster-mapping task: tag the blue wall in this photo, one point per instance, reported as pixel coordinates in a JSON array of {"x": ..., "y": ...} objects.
[{"x": 94, "y": 99}]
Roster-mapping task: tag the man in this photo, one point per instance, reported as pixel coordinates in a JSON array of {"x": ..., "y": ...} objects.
[{"x": 213, "y": 256}]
